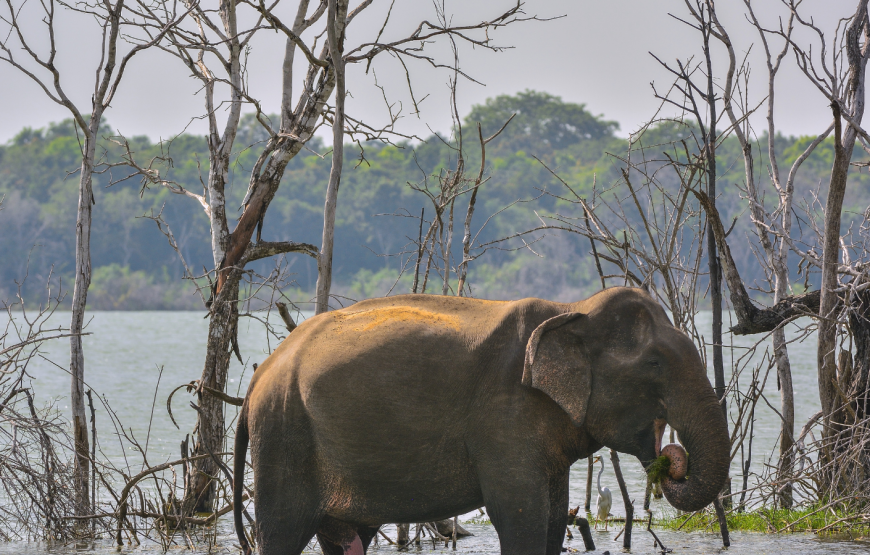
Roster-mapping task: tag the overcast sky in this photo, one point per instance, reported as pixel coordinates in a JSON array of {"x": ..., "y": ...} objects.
[{"x": 598, "y": 55}]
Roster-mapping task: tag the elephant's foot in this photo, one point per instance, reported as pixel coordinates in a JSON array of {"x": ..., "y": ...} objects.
[{"x": 339, "y": 538}]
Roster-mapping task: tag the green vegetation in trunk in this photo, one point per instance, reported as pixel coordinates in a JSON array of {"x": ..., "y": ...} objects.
[{"x": 658, "y": 469}]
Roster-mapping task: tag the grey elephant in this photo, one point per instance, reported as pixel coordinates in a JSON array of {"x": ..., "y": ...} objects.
[{"x": 418, "y": 407}]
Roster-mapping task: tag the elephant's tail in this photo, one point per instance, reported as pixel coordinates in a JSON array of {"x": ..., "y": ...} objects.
[{"x": 239, "y": 456}]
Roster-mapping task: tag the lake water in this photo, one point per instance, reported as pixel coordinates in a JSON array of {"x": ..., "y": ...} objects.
[
  {"x": 135, "y": 359},
  {"x": 485, "y": 542}
]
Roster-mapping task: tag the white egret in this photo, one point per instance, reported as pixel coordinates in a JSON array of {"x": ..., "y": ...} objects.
[{"x": 605, "y": 500}]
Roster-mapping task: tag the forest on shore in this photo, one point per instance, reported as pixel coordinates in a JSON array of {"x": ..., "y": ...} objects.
[{"x": 134, "y": 268}]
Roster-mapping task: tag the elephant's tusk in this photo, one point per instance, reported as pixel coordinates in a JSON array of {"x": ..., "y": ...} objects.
[{"x": 659, "y": 430}]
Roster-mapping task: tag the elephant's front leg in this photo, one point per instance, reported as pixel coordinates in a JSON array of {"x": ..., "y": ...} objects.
[
  {"x": 517, "y": 500},
  {"x": 558, "y": 514}
]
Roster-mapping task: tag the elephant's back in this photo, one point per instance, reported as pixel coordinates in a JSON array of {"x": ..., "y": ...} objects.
[
  {"x": 381, "y": 346},
  {"x": 415, "y": 315},
  {"x": 432, "y": 339}
]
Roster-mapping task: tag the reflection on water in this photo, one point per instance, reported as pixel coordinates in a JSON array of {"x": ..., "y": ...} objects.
[
  {"x": 485, "y": 541},
  {"x": 126, "y": 351}
]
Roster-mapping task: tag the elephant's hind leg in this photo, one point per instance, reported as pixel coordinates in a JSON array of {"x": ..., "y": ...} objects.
[
  {"x": 339, "y": 538},
  {"x": 287, "y": 517}
]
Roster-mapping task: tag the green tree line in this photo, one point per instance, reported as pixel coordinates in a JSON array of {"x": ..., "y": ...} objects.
[{"x": 378, "y": 212}]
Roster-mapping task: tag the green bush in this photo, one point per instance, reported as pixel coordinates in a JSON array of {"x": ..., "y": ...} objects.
[{"x": 116, "y": 287}]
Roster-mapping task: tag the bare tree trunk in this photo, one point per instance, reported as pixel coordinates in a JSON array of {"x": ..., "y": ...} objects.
[
  {"x": 222, "y": 344},
  {"x": 403, "y": 531},
  {"x": 629, "y": 507},
  {"x": 217, "y": 180},
  {"x": 223, "y": 322},
  {"x": 108, "y": 75},
  {"x": 855, "y": 377},
  {"x": 80, "y": 299},
  {"x": 786, "y": 408},
  {"x": 335, "y": 35},
  {"x": 209, "y": 433},
  {"x": 445, "y": 287},
  {"x": 723, "y": 523},
  {"x": 590, "y": 465},
  {"x": 779, "y": 261},
  {"x": 828, "y": 304},
  {"x": 847, "y": 104},
  {"x": 712, "y": 252}
]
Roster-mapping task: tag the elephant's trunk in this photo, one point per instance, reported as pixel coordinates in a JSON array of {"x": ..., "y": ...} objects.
[{"x": 703, "y": 432}]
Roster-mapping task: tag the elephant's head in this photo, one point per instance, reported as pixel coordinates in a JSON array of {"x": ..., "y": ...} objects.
[{"x": 619, "y": 368}]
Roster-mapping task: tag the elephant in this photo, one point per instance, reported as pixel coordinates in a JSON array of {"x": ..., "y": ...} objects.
[{"x": 415, "y": 408}]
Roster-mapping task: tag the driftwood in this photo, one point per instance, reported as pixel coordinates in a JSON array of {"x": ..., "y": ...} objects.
[
  {"x": 723, "y": 523},
  {"x": 657, "y": 542},
  {"x": 572, "y": 517},
  {"x": 586, "y": 533},
  {"x": 386, "y": 537},
  {"x": 768, "y": 319},
  {"x": 583, "y": 525},
  {"x": 445, "y": 528}
]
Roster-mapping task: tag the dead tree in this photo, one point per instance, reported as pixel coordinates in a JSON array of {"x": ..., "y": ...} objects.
[
  {"x": 335, "y": 38},
  {"x": 775, "y": 248},
  {"x": 437, "y": 244},
  {"x": 842, "y": 81},
  {"x": 846, "y": 94},
  {"x": 212, "y": 47},
  {"x": 114, "y": 20},
  {"x": 36, "y": 452},
  {"x": 449, "y": 185}
]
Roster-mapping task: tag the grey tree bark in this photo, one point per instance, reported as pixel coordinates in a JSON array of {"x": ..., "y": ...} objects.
[
  {"x": 79, "y": 302},
  {"x": 712, "y": 252},
  {"x": 705, "y": 15},
  {"x": 336, "y": 14},
  {"x": 847, "y": 104},
  {"x": 223, "y": 321},
  {"x": 829, "y": 301}
]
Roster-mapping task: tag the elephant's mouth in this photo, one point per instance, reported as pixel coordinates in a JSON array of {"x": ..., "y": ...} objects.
[{"x": 659, "y": 432}]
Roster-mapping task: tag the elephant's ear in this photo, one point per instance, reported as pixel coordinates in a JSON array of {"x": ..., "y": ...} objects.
[{"x": 556, "y": 363}]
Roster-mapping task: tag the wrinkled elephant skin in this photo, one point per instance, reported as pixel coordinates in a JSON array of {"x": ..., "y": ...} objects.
[{"x": 418, "y": 407}]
